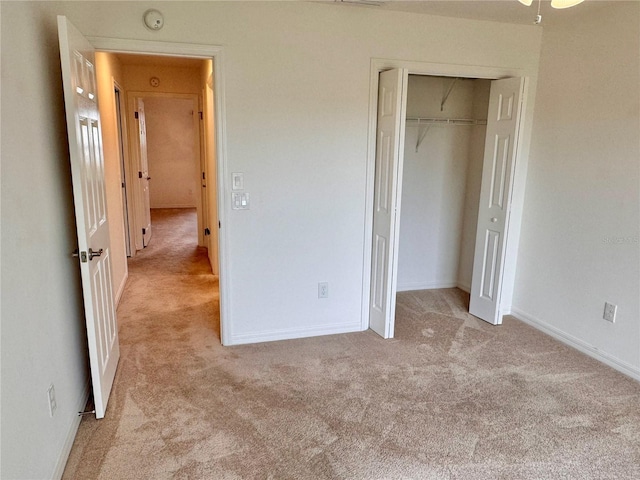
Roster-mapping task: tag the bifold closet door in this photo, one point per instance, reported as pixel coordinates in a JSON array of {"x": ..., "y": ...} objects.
[{"x": 501, "y": 146}]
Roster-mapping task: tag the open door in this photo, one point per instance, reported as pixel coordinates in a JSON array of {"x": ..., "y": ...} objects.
[
  {"x": 87, "y": 170},
  {"x": 392, "y": 104},
  {"x": 144, "y": 206},
  {"x": 501, "y": 145}
]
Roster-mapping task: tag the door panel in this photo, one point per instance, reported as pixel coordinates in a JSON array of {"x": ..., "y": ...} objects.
[
  {"x": 87, "y": 169},
  {"x": 503, "y": 123},
  {"x": 392, "y": 100},
  {"x": 143, "y": 175}
]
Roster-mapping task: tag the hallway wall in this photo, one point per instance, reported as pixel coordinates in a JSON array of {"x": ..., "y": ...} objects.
[
  {"x": 171, "y": 150},
  {"x": 108, "y": 70}
]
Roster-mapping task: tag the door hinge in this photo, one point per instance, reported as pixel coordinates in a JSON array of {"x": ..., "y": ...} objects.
[
  {"x": 144, "y": 231},
  {"x": 139, "y": 174},
  {"x": 201, "y": 117},
  {"x": 122, "y": 184},
  {"x": 207, "y": 231},
  {"x": 219, "y": 225},
  {"x": 203, "y": 176},
  {"x": 135, "y": 114}
]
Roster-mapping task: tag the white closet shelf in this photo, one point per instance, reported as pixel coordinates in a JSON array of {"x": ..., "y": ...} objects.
[
  {"x": 418, "y": 121},
  {"x": 428, "y": 122}
]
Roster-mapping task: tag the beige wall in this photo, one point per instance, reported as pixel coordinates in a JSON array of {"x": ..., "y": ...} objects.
[
  {"x": 109, "y": 70},
  {"x": 580, "y": 238},
  {"x": 210, "y": 163},
  {"x": 172, "y": 79},
  {"x": 174, "y": 162}
]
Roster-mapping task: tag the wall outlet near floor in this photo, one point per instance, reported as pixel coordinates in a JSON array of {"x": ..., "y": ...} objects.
[
  {"x": 51, "y": 395},
  {"x": 610, "y": 312},
  {"x": 323, "y": 290}
]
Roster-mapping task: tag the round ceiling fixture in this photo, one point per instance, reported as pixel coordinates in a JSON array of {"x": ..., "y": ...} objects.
[{"x": 153, "y": 19}]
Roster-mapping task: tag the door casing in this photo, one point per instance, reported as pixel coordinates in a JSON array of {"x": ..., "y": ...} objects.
[
  {"x": 216, "y": 54},
  {"x": 443, "y": 70}
]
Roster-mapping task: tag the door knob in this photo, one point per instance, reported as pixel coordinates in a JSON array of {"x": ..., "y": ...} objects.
[
  {"x": 494, "y": 220},
  {"x": 93, "y": 253}
]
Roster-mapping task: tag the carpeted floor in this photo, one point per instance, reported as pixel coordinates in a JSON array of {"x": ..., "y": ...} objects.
[{"x": 450, "y": 397}]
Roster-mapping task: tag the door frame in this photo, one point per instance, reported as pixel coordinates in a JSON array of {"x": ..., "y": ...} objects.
[
  {"x": 216, "y": 54},
  {"x": 446, "y": 70}
]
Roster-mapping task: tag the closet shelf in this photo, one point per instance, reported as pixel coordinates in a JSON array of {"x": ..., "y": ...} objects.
[
  {"x": 418, "y": 121},
  {"x": 427, "y": 123}
]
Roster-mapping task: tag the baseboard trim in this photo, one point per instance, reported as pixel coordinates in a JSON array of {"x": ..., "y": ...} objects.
[
  {"x": 121, "y": 288},
  {"x": 407, "y": 287},
  {"x": 293, "y": 333},
  {"x": 182, "y": 205},
  {"x": 464, "y": 287},
  {"x": 71, "y": 434},
  {"x": 584, "y": 347}
]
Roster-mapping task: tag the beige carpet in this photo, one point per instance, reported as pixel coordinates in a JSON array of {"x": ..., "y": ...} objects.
[{"x": 450, "y": 398}]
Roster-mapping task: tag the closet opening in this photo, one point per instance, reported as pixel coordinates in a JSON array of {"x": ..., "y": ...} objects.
[
  {"x": 444, "y": 146},
  {"x": 446, "y": 151}
]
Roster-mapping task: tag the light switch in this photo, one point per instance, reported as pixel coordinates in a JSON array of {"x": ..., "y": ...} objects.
[
  {"x": 237, "y": 181},
  {"x": 240, "y": 201}
]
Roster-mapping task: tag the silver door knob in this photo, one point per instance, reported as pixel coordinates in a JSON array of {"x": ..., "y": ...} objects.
[
  {"x": 494, "y": 220},
  {"x": 93, "y": 253}
]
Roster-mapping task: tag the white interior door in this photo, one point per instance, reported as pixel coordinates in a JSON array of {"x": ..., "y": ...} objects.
[
  {"x": 87, "y": 169},
  {"x": 143, "y": 175},
  {"x": 501, "y": 145},
  {"x": 392, "y": 103}
]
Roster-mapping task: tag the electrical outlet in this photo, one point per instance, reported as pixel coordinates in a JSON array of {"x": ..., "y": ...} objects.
[
  {"x": 610, "y": 312},
  {"x": 51, "y": 395},
  {"x": 323, "y": 290}
]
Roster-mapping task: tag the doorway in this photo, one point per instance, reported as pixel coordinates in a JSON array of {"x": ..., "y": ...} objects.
[
  {"x": 493, "y": 255},
  {"x": 214, "y": 146},
  {"x": 443, "y": 152}
]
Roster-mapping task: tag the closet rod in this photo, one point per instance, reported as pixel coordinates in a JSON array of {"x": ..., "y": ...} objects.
[
  {"x": 427, "y": 123},
  {"x": 445, "y": 121}
]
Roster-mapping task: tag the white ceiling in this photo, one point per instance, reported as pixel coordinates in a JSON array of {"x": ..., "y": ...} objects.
[{"x": 506, "y": 11}]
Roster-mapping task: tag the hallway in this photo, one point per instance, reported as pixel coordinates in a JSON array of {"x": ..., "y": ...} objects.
[{"x": 168, "y": 321}]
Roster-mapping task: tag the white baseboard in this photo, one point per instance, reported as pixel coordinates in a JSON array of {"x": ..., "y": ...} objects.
[
  {"x": 173, "y": 205},
  {"x": 121, "y": 288},
  {"x": 464, "y": 287},
  {"x": 578, "y": 344},
  {"x": 71, "y": 434},
  {"x": 292, "y": 333},
  {"x": 407, "y": 287}
]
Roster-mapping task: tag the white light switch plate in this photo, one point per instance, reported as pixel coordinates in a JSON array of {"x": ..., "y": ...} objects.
[
  {"x": 237, "y": 181},
  {"x": 240, "y": 201}
]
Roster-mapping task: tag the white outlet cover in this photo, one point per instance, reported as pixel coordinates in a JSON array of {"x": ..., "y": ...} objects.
[{"x": 610, "y": 312}]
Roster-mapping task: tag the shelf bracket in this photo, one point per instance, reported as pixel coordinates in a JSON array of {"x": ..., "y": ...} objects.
[
  {"x": 421, "y": 136},
  {"x": 446, "y": 95}
]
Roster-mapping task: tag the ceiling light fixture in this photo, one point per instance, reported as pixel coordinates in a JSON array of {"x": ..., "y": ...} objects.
[{"x": 559, "y": 4}]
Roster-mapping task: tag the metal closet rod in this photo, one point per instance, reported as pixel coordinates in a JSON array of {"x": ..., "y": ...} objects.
[
  {"x": 429, "y": 122},
  {"x": 446, "y": 121}
]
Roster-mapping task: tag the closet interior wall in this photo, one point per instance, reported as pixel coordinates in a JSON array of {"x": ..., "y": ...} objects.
[{"x": 441, "y": 183}]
